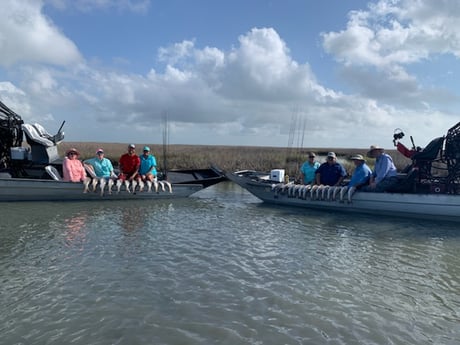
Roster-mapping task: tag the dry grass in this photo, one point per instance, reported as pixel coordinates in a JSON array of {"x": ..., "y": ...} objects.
[{"x": 229, "y": 158}]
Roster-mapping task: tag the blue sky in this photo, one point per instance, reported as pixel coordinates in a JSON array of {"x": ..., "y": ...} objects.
[{"x": 345, "y": 73}]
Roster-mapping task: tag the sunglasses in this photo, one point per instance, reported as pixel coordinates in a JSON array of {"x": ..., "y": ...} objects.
[{"x": 311, "y": 156}]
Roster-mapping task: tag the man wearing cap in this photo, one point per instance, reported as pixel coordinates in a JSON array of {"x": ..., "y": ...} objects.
[
  {"x": 361, "y": 174},
  {"x": 384, "y": 175},
  {"x": 72, "y": 168},
  {"x": 101, "y": 166},
  {"x": 308, "y": 169},
  {"x": 330, "y": 173},
  {"x": 129, "y": 164},
  {"x": 147, "y": 168}
]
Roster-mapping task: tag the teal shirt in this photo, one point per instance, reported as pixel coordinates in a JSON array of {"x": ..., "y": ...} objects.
[
  {"x": 102, "y": 167},
  {"x": 308, "y": 171},
  {"x": 148, "y": 163}
]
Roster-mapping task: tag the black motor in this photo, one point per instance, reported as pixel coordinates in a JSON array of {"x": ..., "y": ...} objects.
[{"x": 10, "y": 134}]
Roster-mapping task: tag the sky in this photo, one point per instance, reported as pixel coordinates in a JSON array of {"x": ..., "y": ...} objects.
[{"x": 284, "y": 73}]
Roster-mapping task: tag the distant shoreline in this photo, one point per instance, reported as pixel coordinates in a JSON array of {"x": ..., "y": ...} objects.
[{"x": 229, "y": 158}]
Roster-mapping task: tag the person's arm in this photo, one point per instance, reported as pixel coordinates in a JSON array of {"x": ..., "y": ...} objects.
[
  {"x": 339, "y": 182},
  {"x": 136, "y": 168},
  {"x": 372, "y": 182},
  {"x": 133, "y": 175},
  {"x": 110, "y": 166},
  {"x": 404, "y": 150},
  {"x": 66, "y": 169},
  {"x": 120, "y": 166},
  {"x": 383, "y": 168},
  {"x": 82, "y": 172},
  {"x": 153, "y": 163},
  {"x": 343, "y": 174}
]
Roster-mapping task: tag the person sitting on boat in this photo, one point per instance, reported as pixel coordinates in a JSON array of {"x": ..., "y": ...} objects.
[
  {"x": 101, "y": 166},
  {"x": 129, "y": 164},
  {"x": 72, "y": 167},
  {"x": 384, "y": 176},
  {"x": 147, "y": 168},
  {"x": 330, "y": 173},
  {"x": 362, "y": 173},
  {"x": 308, "y": 169}
]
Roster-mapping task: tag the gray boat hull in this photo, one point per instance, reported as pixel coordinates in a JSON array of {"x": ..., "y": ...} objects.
[
  {"x": 426, "y": 206},
  {"x": 19, "y": 189}
]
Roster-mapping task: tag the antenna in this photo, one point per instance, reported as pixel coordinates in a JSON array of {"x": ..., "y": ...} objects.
[{"x": 165, "y": 127}]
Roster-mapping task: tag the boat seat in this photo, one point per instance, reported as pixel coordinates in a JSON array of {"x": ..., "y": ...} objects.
[
  {"x": 42, "y": 131},
  {"x": 34, "y": 137},
  {"x": 431, "y": 151},
  {"x": 56, "y": 139},
  {"x": 44, "y": 150},
  {"x": 52, "y": 171}
]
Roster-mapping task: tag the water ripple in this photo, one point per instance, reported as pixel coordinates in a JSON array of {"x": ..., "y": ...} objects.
[{"x": 223, "y": 268}]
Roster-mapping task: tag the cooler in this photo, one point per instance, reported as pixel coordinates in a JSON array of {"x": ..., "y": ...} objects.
[
  {"x": 19, "y": 153},
  {"x": 277, "y": 175}
]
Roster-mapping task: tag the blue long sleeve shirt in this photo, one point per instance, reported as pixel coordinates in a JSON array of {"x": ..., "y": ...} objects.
[{"x": 384, "y": 167}]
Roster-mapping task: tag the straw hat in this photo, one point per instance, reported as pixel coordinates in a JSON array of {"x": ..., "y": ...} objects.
[
  {"x": 72, "y": 150},
  {"x": 374, "y": 148},
  {"x": 357, "y": 158}
]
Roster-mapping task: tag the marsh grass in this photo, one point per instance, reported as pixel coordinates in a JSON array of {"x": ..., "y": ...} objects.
[{"x": 229, "y": 158}]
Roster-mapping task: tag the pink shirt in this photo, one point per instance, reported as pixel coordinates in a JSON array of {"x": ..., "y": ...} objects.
[{"x": 73, "y": 170}]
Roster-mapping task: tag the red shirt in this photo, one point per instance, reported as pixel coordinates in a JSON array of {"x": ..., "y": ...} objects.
[{"x": 129, "y": 164}]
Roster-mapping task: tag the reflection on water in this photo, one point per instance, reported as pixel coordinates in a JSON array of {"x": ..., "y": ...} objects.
[
  {"x": 75, "y": 234},
  {"x": 221, "y": 267}
]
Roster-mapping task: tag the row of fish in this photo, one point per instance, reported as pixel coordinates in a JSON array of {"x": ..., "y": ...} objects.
[
  {"x": 315, "y": 192},
  {"x": 130, "y": 186}
]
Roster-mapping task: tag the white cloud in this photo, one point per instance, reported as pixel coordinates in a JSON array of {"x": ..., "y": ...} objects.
[
  {"x": 381, "y": 48},
  {"x": 137, "y": 6},
  {"x": 397, "y": 32},
  {"x": 27, "y": 36},
  {"x": 245, "y": 95},
  {"x": 14, "y": 98}
]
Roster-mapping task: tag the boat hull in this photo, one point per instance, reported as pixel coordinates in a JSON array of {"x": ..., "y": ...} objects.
[
  {"x": 426, "y": 206},
  {"x": 18, "y": 189}
]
